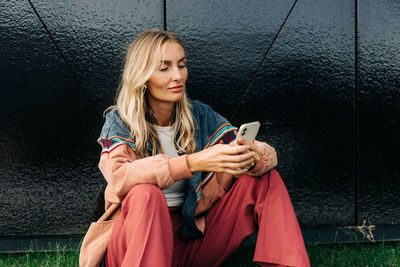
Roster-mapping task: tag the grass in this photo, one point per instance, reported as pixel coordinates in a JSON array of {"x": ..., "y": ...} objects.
[
  {"x": 340, "y": 255},
  {"x": 363, "y": 255},
  {"x": 48, "y": 259},
  {"x": 381, "y": 254}
]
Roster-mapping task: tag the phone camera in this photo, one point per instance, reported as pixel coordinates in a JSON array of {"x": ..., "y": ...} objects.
[{"x": 244, "y": 131}]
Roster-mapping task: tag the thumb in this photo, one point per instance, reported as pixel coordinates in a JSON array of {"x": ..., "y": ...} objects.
[{"x": 242, "y": 141}]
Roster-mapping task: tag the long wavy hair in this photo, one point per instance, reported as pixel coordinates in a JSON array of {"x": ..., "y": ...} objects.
[{"x": 142, "y": 59}]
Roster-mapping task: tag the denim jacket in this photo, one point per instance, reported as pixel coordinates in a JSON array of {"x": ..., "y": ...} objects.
[{"x": 201, "y": 191}]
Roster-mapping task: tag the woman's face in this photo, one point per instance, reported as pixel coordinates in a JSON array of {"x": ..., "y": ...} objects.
[{"x": 167, "y": 83}]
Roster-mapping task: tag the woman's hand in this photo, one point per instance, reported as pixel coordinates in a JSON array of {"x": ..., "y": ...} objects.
[
  {"x": 231, "y": 159},
  {"x": 252, "y": 147},
  {"x": 270, "y": 157},
  {"x": 262, "y": 150}
]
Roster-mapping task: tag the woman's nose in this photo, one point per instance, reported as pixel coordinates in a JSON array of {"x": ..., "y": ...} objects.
[{"x": 176, "y": 74}]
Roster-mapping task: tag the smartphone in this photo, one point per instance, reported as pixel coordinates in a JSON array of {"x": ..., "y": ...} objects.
[{"x": 249, "y": 131}]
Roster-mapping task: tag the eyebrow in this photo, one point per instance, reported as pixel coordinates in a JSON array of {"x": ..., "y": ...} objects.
[{"x": 169, "y": 61}]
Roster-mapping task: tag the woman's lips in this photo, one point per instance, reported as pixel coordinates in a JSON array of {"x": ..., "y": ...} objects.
[{"x": 177, "y": 88}]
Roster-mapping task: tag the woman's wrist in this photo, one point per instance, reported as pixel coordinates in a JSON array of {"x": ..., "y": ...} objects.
[{"x": 192, "y": 162}]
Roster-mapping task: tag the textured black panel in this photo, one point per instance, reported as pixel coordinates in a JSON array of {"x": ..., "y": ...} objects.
[
  {"x": 49, "y": 176},
  {"x": 48, "y": 173},
  {"x": 93, "y": 36},
  {"x": 304, "y": 97},
  {"x": 379, "y": 67},
  {"x": 225, "y": 40}
]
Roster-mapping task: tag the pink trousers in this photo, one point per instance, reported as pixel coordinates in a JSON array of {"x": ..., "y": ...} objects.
[{"x": 147, "y": 234}]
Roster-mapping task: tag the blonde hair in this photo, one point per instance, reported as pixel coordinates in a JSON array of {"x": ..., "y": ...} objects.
[{"x": 141, "y": 60}]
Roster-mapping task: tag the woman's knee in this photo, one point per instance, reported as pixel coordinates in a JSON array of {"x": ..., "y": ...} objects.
[
  {"x": 272, "y": 181},
  {"x": 277, "y": 186},
  {"x": 275, "y": 178},
  {"x": 145, "y": 193}
]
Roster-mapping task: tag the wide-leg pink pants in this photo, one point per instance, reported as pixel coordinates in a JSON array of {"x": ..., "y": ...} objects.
[{"x": 146, "y": 234}]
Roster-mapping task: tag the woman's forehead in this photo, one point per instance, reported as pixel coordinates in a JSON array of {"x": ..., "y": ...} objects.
[{"x": 171, "y": 51}]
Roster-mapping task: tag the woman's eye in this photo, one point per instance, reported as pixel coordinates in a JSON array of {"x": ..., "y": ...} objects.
[
  {"x": 163, "y": 69},
  {"x": 183, "y": 66}
]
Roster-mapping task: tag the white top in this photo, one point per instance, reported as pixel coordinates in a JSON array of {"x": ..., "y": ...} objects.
[{"x": 175, "y": 194}]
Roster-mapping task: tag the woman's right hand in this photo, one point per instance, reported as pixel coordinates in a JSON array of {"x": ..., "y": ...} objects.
[{"x": 224, "y": 158}]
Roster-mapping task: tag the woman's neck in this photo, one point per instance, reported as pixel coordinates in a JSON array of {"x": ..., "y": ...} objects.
[{"x": 164, "y": 113}]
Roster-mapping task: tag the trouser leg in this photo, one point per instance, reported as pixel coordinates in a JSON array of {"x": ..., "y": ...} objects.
[
  {"x": 279, "y": 239},
  {"x": 142, "y": 234},
  {"x": 253, "y": 203}
]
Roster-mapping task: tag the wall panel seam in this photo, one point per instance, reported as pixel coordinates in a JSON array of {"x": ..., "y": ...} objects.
[
  {"x": 356, "y": 121},
  {"x": 165, "y": 15},
  {"x": 261, "y": 63},
  {"x": 75, "y": 78}
]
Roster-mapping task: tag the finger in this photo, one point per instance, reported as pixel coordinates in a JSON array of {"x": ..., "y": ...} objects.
[
  {"x": 242, "y": 141},
  {"x": 235, "y": 172},
  {"x": 236, "y": 149},
  {"x": 252, "y": 164},
  {"x": 256, "y": 157},
  {"x": 248, "y": 163},
  {"x": 255, "y": 148},
  {"x": 239, "y": 157},
  {"x": 247, "y": 167},
  {"x": 239, "y": 164}
]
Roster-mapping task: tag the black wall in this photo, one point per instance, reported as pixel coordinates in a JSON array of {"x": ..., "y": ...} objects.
[{"x": 321, "y": 77}]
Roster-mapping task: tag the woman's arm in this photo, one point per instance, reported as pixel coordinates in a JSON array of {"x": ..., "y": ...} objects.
[
  {"x": 254, "y": 159},
  {"x": 122, "y": 170},
  {"x": 231, "y": 159}
]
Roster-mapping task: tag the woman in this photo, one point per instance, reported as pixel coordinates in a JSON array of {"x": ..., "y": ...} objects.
[{"x": 189, "y": 195}]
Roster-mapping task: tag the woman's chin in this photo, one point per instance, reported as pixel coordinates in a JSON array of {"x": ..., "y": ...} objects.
[{"x": 177, "y": 97}]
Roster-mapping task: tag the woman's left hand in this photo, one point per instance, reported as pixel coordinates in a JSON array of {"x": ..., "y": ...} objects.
[
  {"x": 253, "y": 147},
  {"x": 263, "y": 151}
]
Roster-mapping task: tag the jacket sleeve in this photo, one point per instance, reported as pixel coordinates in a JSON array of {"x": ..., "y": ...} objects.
[{"x": 122, "y": 170}]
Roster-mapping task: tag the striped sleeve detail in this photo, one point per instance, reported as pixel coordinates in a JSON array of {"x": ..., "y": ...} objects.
[
  {"x": 108, "y": 144},
  {"x": 225, "y": 128},
  {"x": 203, "y": 183}
]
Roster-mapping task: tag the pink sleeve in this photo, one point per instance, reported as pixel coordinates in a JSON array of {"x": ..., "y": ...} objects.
[{"x": 122, "y": 170}]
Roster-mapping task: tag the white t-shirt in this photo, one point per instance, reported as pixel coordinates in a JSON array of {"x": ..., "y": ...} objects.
[{"x": 175, "y": 194}]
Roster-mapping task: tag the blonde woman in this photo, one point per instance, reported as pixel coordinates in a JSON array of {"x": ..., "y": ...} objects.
[{"x": 158, "y": 148}]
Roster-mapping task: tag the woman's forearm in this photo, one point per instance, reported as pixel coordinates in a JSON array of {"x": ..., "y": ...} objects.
[{"x": 222, "y": 158}]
